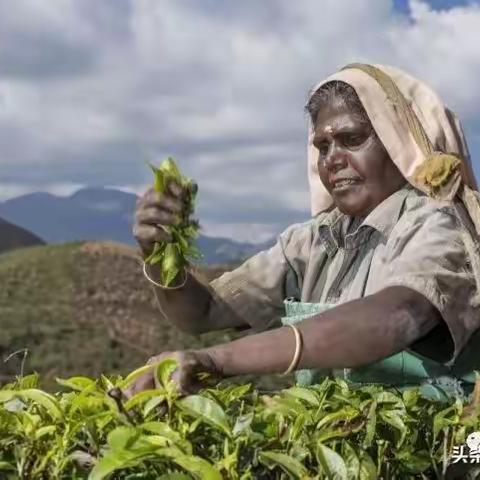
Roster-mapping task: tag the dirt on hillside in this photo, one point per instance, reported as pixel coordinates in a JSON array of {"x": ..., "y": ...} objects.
[
  {"x": 110, "y": 287},
  {"x": 86, "y": 309}
]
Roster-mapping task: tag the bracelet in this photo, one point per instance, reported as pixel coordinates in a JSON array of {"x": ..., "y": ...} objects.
[
  {"x": 298, "y": 349},
  {"x": 159, "y": 284}
]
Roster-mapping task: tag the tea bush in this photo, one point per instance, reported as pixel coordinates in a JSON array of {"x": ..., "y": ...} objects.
[{"x": 88, "y": 430}]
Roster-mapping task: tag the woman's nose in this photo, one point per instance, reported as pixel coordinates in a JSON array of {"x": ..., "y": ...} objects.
[{"x": 335, "y": 159}]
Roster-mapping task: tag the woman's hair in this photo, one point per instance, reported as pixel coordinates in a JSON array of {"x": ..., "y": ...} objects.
[{"x": 339, "y": 93}]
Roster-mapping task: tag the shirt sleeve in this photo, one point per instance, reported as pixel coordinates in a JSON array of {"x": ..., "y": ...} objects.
[
  {"x": 256, "y": 289},
  {"x": 428, "y": 252}
]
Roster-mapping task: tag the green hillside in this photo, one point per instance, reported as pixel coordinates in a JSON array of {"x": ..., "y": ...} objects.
[{"x": 83, "y": 308}]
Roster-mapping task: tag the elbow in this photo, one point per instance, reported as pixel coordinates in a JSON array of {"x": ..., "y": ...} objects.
[{"x": 411, "y": 314}]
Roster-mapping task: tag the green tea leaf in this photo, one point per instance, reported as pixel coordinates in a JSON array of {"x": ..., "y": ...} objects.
[
  {"x": 441, "y": 420},
  {"x": 6, "y": 466},
  {"x": 157, "y": 253},
  {"x": 144, "y": 396},
  {"x": 159, "y": 184},
  {"x": 114, "y": 460},
  {"x": 122, "y": 437},
  {"x": 351, "y": 459},
  {"x": 332, "y": 463},
  {"x": 27, "y": 382},
  {"x": 47, "y": 401},
  {"x": 368, "y": 470},
  {"x": 170, "y": 168},
  {"x": 371, "y": 425},
  {"x": 290, "y": 465},
  {"x": 152, "y": 404},
  {"x": 206, "y": 409},
  {"x": 392, "y": 418},
  {"x": 197, "y": 466},
  {"x": 164, "y": 430},
  {"x": 163, "y": 372},
  {"x": 7, "y": 395},
  {"x": 347, "y": 413},
  {"x": 76, "y": 383},
  {"x": 131, "y": 377},
  {"x": 42, "y": 431},
  {"x": 305, "y": 394},
  {"x": 416, "y": 462},
  {"x": 171, "y": 263}
]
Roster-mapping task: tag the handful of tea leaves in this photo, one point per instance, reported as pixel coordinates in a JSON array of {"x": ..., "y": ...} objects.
[{"x": 174, "y": 256}]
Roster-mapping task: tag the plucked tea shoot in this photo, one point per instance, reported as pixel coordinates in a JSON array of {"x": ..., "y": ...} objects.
[{"x": 175, "y": 255}]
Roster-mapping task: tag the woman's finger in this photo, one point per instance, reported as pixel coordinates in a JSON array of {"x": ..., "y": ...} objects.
[
  {"x": 145, "y": 382},
  {"x": 157, "y": 216},
  {"x": 150, "y": 234},
  {"x": 175, "y": 189},
  {"x": 162, "y": 200}
]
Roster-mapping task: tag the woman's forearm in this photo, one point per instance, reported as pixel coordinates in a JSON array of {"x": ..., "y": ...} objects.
[
  {"x": 353, "y": 334},
  {"x": 191, "y": 307}
]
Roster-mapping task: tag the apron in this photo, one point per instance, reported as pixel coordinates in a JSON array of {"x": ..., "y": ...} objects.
[{"x": 402, "y": 370}]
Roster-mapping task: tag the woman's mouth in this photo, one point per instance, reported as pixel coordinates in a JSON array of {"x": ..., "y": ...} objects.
[{"x": 344, "y": 184}]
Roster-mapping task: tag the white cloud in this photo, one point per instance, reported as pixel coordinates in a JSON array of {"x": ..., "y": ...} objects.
[
  {"x": 241, "y": 232},
  {"x": 11, "y": 190},
  {"x": 220, "y": 85}
]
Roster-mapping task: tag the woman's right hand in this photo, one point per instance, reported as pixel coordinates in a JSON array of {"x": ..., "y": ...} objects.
[{"x": 155, "y": 210}]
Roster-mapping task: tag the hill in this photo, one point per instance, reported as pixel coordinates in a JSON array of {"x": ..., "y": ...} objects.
[
  {"x": 103, "y": 214},
  {"x": 84, "y": 308},
  {"x": 12, "y": 236}
]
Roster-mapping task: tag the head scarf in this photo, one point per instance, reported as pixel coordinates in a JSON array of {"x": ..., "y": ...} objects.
[{"x": 422, "y": 136}]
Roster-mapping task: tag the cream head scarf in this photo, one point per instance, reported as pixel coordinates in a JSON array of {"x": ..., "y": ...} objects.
[{"x": 423, "y": 137}]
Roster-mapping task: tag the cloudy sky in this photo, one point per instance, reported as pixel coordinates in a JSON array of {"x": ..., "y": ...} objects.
[{"x": 89, "y": 89}]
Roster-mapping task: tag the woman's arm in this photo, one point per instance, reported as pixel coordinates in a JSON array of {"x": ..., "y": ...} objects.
[
  {"x": 353, "y": 334},
  {"x": 251, "y": 295},
  {"x": 190, "y": 306}
]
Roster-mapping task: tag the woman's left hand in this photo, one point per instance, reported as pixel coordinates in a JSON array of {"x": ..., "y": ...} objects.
[{"x": 185, "y": 376}]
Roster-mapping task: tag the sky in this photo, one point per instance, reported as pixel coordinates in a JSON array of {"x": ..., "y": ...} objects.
[{"x": 91, "y": 89}]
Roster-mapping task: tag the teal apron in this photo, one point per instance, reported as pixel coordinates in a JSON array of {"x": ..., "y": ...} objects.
[{"x": 404, "y": 369}]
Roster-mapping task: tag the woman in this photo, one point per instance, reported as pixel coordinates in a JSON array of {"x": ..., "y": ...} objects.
[{"x": 381, "y": 285}]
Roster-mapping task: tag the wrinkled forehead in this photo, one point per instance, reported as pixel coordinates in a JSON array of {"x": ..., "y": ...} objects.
[{"x": 332, "y": 121}]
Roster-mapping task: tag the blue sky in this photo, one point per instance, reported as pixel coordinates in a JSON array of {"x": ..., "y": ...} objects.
[
  {"x": 90, "y": 89},
  {"x": 404, "y": 5}
]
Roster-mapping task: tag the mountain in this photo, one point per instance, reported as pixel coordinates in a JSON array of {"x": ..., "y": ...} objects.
[
  {"x": 102, "y": 214},
  {"x": 12, "y": 236}
]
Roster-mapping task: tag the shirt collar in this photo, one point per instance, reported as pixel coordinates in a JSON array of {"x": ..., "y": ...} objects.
[{"x": 382, "y": 219}]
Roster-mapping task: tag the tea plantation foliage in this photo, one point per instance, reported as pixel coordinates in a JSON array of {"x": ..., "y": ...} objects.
[{"x": 89, "y": 430}]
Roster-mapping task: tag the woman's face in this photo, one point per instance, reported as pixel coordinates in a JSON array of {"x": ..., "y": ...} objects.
[{"x": 353, "y": 164}]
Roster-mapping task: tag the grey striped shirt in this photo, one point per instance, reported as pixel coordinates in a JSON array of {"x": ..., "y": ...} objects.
[{"x": 408, "y": 240}]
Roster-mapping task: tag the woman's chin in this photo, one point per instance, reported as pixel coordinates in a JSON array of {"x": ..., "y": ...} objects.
[{"x": 352, "y": 204}]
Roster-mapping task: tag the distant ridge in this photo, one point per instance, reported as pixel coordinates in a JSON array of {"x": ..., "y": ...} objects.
[
  {"x": 103, "y": 214},
  {"x": 12, "y": 236}
]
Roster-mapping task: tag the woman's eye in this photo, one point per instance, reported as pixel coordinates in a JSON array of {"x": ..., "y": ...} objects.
[
  {"x": 353, "y": 140},
  {"x": 323, "y": 149}
]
